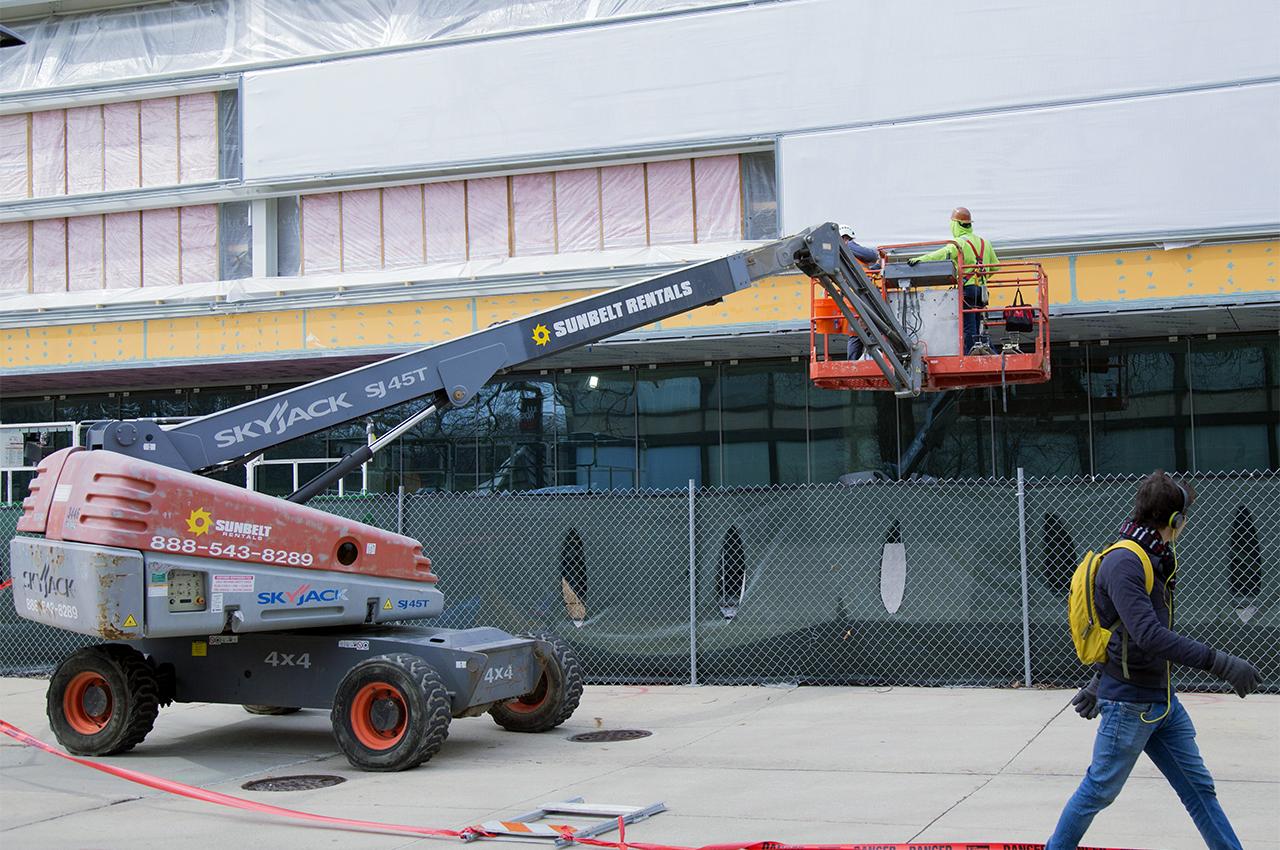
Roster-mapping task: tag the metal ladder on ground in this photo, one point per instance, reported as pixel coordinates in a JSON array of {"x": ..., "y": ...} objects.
[{"x": 526, "y": 827}]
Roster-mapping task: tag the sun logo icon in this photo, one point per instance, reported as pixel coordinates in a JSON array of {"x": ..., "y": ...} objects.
[
  {"x": 199, "y": 522},
  {"x": 541, "y": 335}
]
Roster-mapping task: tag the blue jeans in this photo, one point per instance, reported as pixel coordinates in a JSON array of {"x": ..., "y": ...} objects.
[
  {"x": 972, "y": 321},
  {"x": 1171, "y": 743}
]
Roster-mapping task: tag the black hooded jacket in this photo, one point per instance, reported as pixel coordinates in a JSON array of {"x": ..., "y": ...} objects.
[{"x": 1121, "y": 594}]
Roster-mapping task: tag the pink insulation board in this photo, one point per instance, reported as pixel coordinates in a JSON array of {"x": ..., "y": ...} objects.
[
  {"x": 487, "y": 224},
  {"x": 403, "y": 227},
  {"x": 160, "y": 141},
  {"x": 578, "y": 209},
  {"x": 533, "y": 199},
  {"x": 84, "y": 150},
  {"x": 160, "y": 247},
  {"x": 361, "y": 230},
  {"x": 622, "y": 206},
  {"x": 15, "y": 261},
  {"x": 85, "y": 263},
  {"x": 446, "y": 222},
  {"x": 13, "y": 156},
  {"x": 197, "y": 137},
  {"x": 718, "y": 197},
  {"x": 123, "y": 250},
  {"x": 120, "y": 123},
  {"x": 48, "y": 153},
  {"x": 321, "y": 241},
  {"x": 49, "y": 255},
  {"x": 198, "y": 229},
  {"x": 670, "y": 191}
]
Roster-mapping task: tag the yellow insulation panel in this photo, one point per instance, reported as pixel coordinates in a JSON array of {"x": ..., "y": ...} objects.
[{"x": 1194, "y": 273}]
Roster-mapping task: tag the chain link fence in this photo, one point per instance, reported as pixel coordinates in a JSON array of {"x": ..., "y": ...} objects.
[{"x": 879, "y": 583}]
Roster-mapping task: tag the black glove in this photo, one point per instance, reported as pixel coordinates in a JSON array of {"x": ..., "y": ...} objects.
[
  {"x": 1086, "y": 701},
  {"x": 1240, "y": 674},
  {"x": 913, "y": 261}
]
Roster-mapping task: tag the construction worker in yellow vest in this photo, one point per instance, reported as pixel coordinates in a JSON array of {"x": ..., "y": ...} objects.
[{"x": 976, "y": 251}]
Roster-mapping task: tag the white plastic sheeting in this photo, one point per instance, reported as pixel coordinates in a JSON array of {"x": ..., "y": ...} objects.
[
  {"x": 403, "y": 227},
  {"x": 1151, "y": 165},
  {"x": 84, "y": 150},
  {"x": 13, "y": 157},
  {"x": 119, "y": 44},
  {"x": 460, "y": 279},
  {"x": 533, "y": 214},
  {"x": 15, "y": 257},
  {"x": 123, "y": 250},
  {"x": 198, "y": 228},
  {"x": 85, "y": 267},
  {"x": 733, "y": 74},
  {"x": 578, "y": 209}
]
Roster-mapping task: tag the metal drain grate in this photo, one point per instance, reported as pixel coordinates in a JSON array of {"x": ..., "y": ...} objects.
[
  {"x": 608, "y": 736},
  {"x": 305, "y": 782}
]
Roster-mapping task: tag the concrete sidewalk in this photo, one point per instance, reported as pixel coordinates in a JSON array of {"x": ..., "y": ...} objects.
[{"x": 795, "y": 765}]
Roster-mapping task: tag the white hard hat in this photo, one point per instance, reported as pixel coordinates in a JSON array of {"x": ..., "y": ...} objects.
[{"x": 846, "y": 231}]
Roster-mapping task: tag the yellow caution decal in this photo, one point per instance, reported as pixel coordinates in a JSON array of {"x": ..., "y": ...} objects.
[
  {"x": 199, "y": 649},
  {"x": 386, "y": 606},
  {"x": 130, "y": 623}
]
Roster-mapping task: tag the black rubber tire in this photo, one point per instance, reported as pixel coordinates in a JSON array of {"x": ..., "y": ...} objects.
[
  {"x": 272, "y": 710},
  {"x": 427, "y": 710},
  {"x": 129, "y": 683},
  {"x": 554, "y": 699}
]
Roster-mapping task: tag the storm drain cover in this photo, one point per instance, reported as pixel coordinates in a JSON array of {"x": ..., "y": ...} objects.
[
  {"x": 607, "y": 736},
  {"x": 305, "y": 782}
]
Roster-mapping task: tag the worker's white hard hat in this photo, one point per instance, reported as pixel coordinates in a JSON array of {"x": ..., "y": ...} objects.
[{"x": 846, "y": 231}]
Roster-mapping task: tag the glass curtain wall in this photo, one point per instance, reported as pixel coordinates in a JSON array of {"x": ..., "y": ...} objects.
[{"x": 1199, "y": 405}]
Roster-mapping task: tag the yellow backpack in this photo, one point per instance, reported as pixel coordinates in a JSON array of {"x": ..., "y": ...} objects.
[{"x": 1089, "y": 635}]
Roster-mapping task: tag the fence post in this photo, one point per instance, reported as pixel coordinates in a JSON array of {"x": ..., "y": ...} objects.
[
  {"x": 400, "y": 510},
  {"x": 1022, "y": 556},
  {"x": 693, "y": 610}
]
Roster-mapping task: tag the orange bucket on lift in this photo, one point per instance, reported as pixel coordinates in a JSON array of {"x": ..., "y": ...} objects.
[{"x": 827, "y": 318}]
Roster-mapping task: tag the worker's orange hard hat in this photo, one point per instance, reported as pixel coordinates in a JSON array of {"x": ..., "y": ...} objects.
[{"x": 961, "y": 214}]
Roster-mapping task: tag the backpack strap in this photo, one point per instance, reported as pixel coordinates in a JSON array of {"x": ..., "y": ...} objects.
[{"x": 1148, "y": 580}]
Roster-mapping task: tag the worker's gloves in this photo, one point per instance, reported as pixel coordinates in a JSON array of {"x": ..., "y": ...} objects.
[
  {"x": 1086, "y": 701},
  {"x": 913, "y": 261},
  {"x": 1240, "y": 674}
]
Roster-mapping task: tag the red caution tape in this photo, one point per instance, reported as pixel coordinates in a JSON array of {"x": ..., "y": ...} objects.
[
  {"x": 203, "y": 794},
  {"x": 4, "y": 585}
]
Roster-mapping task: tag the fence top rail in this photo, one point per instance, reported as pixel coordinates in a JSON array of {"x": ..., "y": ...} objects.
[{"x": 1134, "y": 477}]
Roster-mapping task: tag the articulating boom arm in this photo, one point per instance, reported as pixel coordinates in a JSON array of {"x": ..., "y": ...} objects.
[{"x": 452, "y": 372}]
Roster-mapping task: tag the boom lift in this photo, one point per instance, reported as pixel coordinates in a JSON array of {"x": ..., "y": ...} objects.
[{"x": 213, "y": 593}]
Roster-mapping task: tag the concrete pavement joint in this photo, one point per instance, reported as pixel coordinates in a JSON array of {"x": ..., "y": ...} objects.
[{"x": 992, "y": 776}]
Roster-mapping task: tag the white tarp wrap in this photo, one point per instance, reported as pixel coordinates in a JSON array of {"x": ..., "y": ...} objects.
[
  {"x": 361, "y": 230},
  {"x": 670, "y": 198},
  {"x": 121, "y": 44},
  {"x": 732, "y": 74},
  {"x": 321, "y": 233},
  {"x": 533, "y": 214},
  {"x": 160, "y": 247},
  {"x": 446, "y": 221},
  {"x": 494, "y": 276},
  {"x": 15, "y": 265},
  {"x": 123, "y": 146},
  {"x": 578, "y": 209},
  {"x": 48, "y": 153},
  {"x": 49, "y": 255},
  {"x": 1150, "y": 165},
  {"x": 487, "y": 218},
  {"x": 159, "y": 141},
  {"x": 403, "y": 226},
  {"x": 123, "y": 250},
  {"x": 199, "y": 230}
]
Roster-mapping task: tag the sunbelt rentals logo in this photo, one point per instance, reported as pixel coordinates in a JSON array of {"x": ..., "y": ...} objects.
[{"x": 200, "y": 522}]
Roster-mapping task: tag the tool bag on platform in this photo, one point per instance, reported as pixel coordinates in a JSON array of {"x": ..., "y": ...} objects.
[{"x": 1019, "y": 317}]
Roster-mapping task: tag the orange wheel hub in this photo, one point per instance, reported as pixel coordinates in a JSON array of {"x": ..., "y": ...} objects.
[
  {"x": 87, "y": 703},
  {"x": 533, "y": 700},
  {"x": 379, "y": 716}
]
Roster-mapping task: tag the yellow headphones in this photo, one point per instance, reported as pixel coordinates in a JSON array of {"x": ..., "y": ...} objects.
[{"x": 1179, "y": 517}]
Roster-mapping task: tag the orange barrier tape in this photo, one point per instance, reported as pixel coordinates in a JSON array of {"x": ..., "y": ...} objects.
[{"x": 4, "y": 585}]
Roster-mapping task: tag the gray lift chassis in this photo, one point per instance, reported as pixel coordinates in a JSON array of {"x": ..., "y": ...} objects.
[{"x": 391, "y": 689}]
